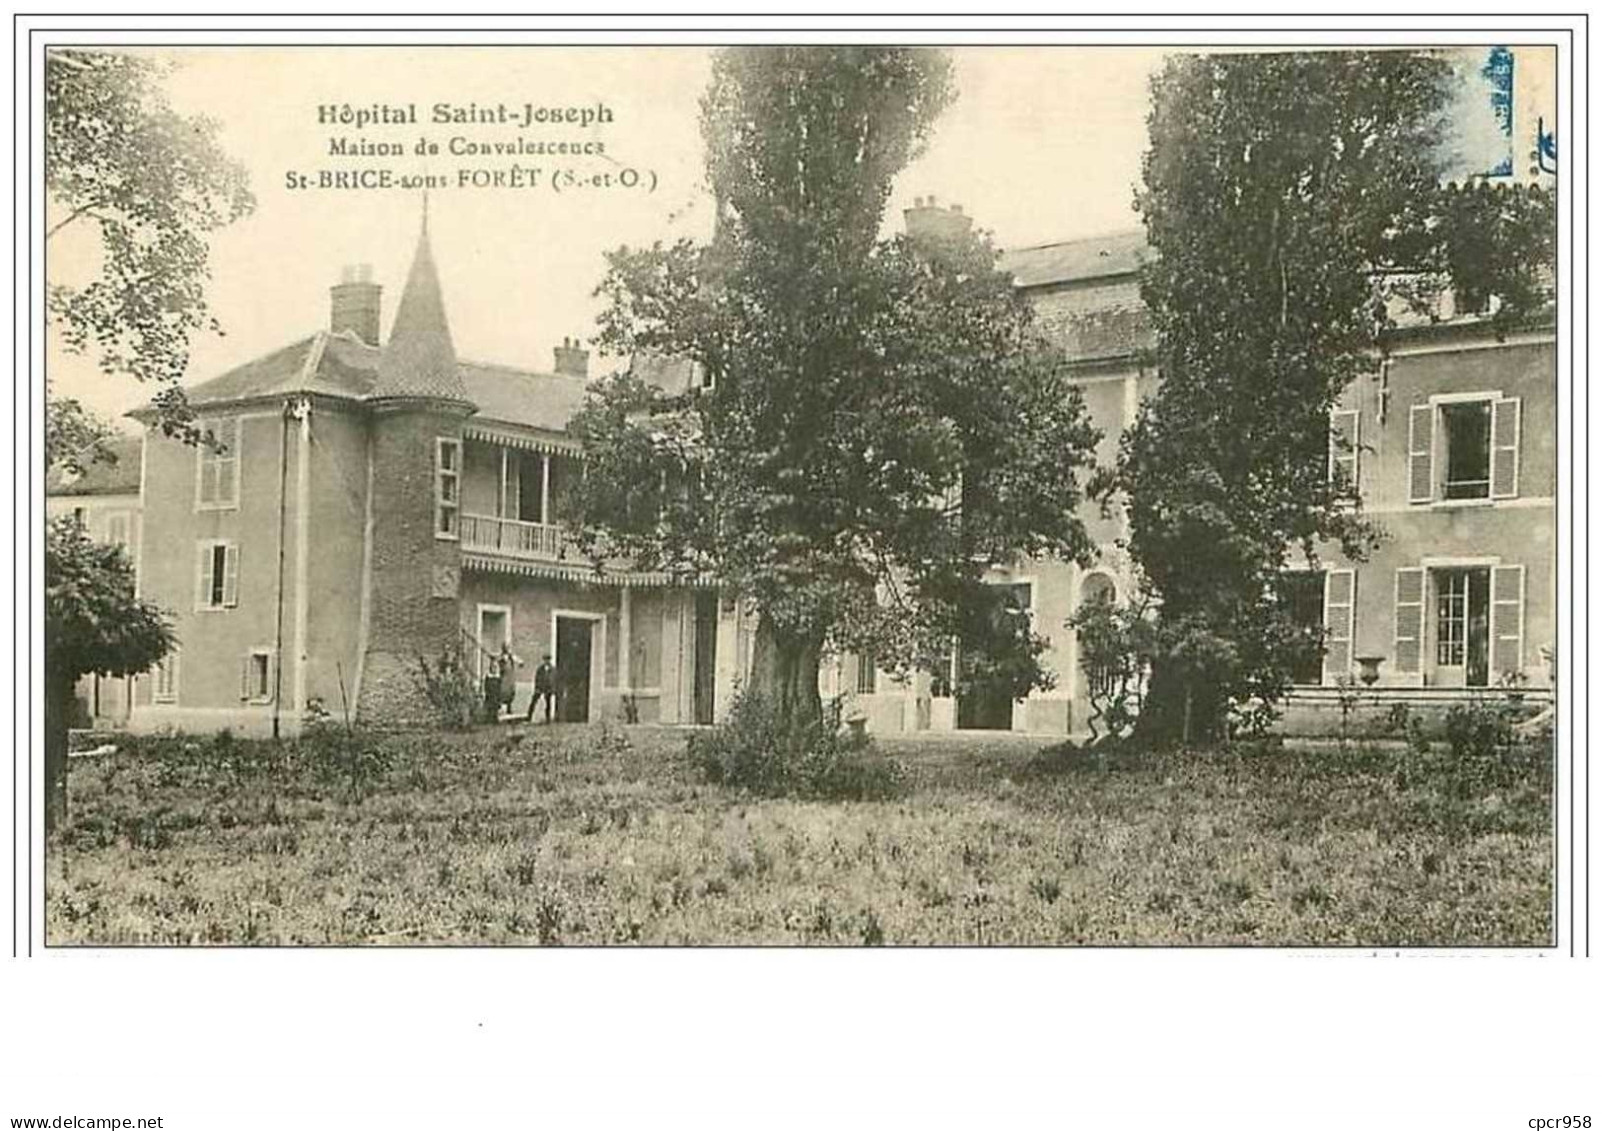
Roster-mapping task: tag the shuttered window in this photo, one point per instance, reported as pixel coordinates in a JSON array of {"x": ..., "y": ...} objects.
[
  {"x": 1343, "y": 448},
  {"x": 1340, "y": 623},
  {"x": 1410, "y": 620},
  {"x": 256, "y": 676},
  {"x": 1505, "y": 447},
  {"x": 447, "y": 486},
  {"x": 1507, "y": 620},
  {"x": 165, "y": 689},
  {"x": 1421, "y": 453},
  {"x": 218, "y": 482},
  {"x": 217, "y": 581}
]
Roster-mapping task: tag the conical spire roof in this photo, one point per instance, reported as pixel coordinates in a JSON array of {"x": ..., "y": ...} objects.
[{"x": 419, "y": 359}]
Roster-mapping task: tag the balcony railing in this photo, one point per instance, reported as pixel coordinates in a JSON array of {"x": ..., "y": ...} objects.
[{"x": 512, "y": 537}]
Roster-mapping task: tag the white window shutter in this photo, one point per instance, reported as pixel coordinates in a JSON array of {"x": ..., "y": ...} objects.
[
  {"x": 1343, "y": 446},
  {"x": 1505, "y": 448},
  {"x": 231, "y": 576},
  {"x": 1340, "y": 592},
  {"x": 204, "y": 577},
  {"x": 1507, "y": 620},
  {"x": 1421, "y": 453},
  {"x": 1409, "y": 621}
]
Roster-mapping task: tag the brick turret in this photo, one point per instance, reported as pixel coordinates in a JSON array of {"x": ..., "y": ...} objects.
[{"x": 418, "y": 405}]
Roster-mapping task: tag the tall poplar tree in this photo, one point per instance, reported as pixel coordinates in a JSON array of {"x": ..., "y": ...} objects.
[{"x": 1295, "y": 201}]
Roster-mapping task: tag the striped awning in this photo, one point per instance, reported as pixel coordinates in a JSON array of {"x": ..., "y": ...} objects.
[
  {"x": 579, "y": 574},
  {"x": 549, "y": 445}
]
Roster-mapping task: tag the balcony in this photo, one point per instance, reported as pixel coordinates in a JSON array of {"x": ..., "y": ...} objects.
[{"x": 532, "y": 541}]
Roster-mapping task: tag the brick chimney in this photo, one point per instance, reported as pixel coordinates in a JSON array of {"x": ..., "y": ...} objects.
[
  {"x": 928, "y": 220},
  {"x": 572, "y": 359},
  {"x": 354, "y": 303}
]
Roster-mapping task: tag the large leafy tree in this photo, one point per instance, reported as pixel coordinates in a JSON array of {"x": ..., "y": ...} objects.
[
  {"x": 1295, "y": 202},
  {"x": 879, "y": 424},
  {"x": 153, "y": 184},
  {"x": 94, "y": 623}
]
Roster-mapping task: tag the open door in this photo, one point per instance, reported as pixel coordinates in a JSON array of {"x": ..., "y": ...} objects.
[
  {"x": 706, "y": 655},
  {"x": 573, "y": 649}
]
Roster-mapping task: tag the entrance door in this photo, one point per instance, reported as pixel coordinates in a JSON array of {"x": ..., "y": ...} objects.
[
  {"x": 706, "y": 655},
  {"x": 493, "y": 625},
  {"x": 573, "y": 635},
  {"x": 984, "y": 704},
  {"x": 1463, "y": 627}
]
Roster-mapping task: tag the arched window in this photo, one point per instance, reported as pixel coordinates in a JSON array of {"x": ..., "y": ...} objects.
[{"x": 1098, "y": 587}]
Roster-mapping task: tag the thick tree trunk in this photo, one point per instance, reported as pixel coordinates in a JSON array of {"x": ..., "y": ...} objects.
[
  {"x": 784, "y": 670},
  {"x": 58, "y": 712},
  {"x": 1179, "y": 708}
]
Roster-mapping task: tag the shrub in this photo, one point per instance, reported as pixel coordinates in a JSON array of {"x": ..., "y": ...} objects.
[
  {"x": 1478, "y": 730},
  {"x": 450, "y": 689},
  {"x": 345, "y": 753},
  {"x": 761, "y": 750}
]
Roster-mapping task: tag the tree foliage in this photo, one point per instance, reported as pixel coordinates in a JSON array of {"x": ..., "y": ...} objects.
[
  {"x": 154, "y": 183},
  {"x": 93, "y": 623},
  {"x": 74, "y": 436},
  {"x": 1295, "y": 202},
  {"x": 881, "y": 423}
]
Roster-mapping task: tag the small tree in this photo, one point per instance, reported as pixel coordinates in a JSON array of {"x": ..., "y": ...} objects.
[
  {"x": 1118, "y": 644},
  {"x": 93, "y": 624}
]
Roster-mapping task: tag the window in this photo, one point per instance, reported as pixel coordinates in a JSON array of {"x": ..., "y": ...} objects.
[
  {"x": 447, "y": 486},
  {"x": 256, "y": 676},
  {"x": 1467, "y": 439},
  {"x": 943, "y": 680},
  {"x": 218, "y": 576},
  {"x": 165, "y": 674},
  {"x": 1463, "y": 448},
  {"x": 1302, "y": 594},
  {"x": 117, "y": 528},
  {"x": 1451, "y": 618},
  {"x": 867, "y": 674},
  {"x": 1343, "y": 448},
  {"x": 219, "y": 466},
  {"x": 1463, "y": 625}
]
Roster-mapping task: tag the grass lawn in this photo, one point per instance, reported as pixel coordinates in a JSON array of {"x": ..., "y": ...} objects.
[{"x": 584, "y": 835}]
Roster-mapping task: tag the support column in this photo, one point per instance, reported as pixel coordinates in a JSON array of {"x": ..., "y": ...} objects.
[
  {"x": 302, "y": 555},
  {"x": 500, "y": 505},
  {"x": 545, "y": 488},
  {"x": 625, "y": 626}
]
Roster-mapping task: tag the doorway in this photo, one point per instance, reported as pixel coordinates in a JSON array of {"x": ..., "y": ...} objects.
[
  {"x": 494, "y": 629},
  {"x": 705, "y": 656},
  {"x": 1463, "y": 627},
  {"x": 984, "y": 702},
  {"x": 574, "y": 649}
]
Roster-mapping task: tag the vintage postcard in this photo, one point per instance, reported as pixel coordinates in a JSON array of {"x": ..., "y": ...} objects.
[
  {"x": 502, "y": 450},
  {"x": 554, "y": 487}
]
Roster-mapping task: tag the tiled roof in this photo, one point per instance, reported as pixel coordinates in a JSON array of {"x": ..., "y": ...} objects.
[
  {"x": 1072, "y": 261},
  {"x": 516, "y": 396},
  {"x": 348, "y": 368},
  {"x": 419, "y": 359},
  {"x": 117, "y": 476}
]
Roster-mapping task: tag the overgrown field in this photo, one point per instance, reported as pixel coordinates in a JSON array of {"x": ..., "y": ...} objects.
[{"x": 583, "y": 835}]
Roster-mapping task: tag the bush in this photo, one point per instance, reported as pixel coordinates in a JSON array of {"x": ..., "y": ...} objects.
[
  {"x": 1478, "y": 730},
  {"x": 760, "y": 750},
  {"x": 450, "y": 689}
]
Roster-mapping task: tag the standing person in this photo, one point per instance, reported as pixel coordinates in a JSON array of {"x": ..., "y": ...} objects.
[
  {"x": 544, "y": 688},
  {"x": 507, "y": 665}
]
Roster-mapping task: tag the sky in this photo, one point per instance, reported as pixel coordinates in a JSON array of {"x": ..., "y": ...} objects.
[{"x": 1041, "y": 144}]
